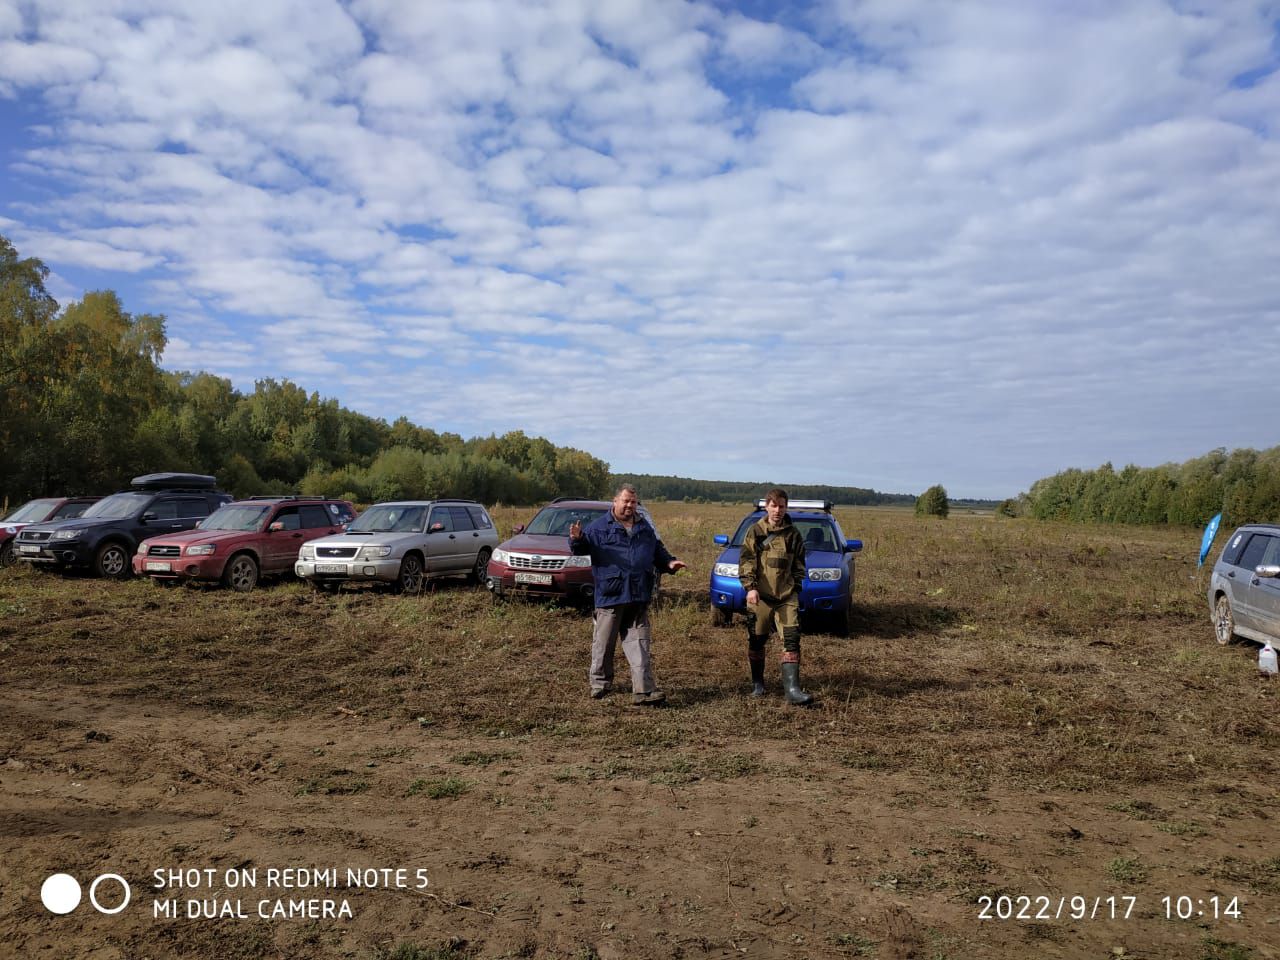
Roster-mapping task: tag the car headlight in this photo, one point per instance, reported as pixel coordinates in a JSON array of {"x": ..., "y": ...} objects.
[
  {"x": 825, "y": 573},
  {"x": 10, "y": 530},
  {"x": 499, "y": 555},
  {"x": 307, "y": 553},
  {"x": 200, "y": 550},
  {"x": 373, "y": 553},
  {"x": 65, "y": 534},
  {"x": 726, "y": 569},
  {"x": 576, "y": 561}
]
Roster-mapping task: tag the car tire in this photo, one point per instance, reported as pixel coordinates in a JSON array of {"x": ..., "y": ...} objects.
[
  {"x": 7, "y": 557},
  {"x": 241, "y": 573},
  {"x": 481, "y": 568},
  {"x": 111, "y": 562},
  {"x": 1224, "y": 620},
  {"x": 323, "y": 586},
  {"x": 721, "y": 617},
  {"x": 411, "y": 577}
]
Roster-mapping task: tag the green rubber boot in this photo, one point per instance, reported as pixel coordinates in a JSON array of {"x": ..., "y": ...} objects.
[
  {"x": 791, "y": 681},
  {"x": 755, "y": 657}
]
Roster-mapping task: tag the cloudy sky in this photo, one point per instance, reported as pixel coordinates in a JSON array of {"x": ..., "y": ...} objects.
[{"x": 887, "y": 243}]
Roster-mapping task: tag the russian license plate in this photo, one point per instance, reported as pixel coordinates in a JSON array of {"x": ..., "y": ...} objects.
[
  {"x": 331, "y": 568},
  {"x": 28, "y": 548},
  {"x": 541, "y": 579},
  {"x": 157, "y": 565}
]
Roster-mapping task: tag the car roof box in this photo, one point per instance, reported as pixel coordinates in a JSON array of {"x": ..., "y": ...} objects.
[
  {"x": 823, "y": 505},
  {"x": 174, "y": 481}
]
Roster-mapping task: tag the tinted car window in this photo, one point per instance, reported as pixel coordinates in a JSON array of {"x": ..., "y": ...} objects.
[
  {"x": 164, "y": 510},
  {"x": 442, "y": 516},
  {"x": 461, "y": 519},
  {"x": 1231, "y": 553},
  {"x": 289, "y": 517},
  {"x": 1272, "y": 555},
  {"x": 314, "y": 516},
  {"x": 480, "y": 518},
  {"x": 1254, "y": 551}
]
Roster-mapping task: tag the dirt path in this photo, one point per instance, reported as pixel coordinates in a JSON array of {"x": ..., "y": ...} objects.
[{"x": 535, "y": 846}]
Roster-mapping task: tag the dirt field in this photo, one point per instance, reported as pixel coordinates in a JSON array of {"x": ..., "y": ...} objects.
[{"x": 1025, "y": 711}]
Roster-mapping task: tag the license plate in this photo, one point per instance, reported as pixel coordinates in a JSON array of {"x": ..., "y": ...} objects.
[
  {"x": 28, "y": 548},
  {"x": 331, "y": 568},
  {"x": 157, "y": 565},
  {"x": 541, "y": 579}
]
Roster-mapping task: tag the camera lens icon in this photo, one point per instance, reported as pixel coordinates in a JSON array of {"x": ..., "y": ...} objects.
[{"x": 61, "y": 893}]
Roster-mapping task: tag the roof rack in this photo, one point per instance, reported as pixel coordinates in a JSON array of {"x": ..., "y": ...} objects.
[
  {"x": 823, "y": 505},
  {"x": 280, "y": 496}
]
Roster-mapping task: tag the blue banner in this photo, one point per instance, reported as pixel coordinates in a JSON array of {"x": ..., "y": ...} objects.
[{"x": 1206, "y": 541}]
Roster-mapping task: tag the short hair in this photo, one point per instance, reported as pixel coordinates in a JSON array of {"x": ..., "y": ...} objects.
[
  {"x": 625, "y": 488},
  {"x": 777, "y": 495}
]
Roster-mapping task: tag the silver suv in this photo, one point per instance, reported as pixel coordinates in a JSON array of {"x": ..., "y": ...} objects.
[
  {"x": 1244, "y": 590},
  {"x": 405, "y": 544}
]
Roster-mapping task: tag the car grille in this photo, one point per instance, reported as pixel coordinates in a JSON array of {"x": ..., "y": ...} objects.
[
  {"x": 336, "y": 553},
  {"x": 163, "y": 551},
  {"x": 37, "y": 535},
  {"x": 534, "y": 561}
]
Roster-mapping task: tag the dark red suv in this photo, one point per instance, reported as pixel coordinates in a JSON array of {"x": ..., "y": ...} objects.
[
  {"x": 38, "y": 511},
  {"x": 537, "y": 561},
  {"x": 241, "y": 542}
]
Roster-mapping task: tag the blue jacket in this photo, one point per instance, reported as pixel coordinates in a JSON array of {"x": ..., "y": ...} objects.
[{"x": 623, "y": 565}]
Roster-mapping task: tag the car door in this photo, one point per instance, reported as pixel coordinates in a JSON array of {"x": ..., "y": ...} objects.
[
  {"x": 282, "y": 545},
  {"x": 468, "y": 538},
  {"x": 1265, "y": 591},
  {"x": 441, "y": 544},
  {"x": 1245, "y": 585}
]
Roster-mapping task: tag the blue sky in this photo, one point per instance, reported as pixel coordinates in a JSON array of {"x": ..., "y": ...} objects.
[{"x": 887, "y": 243}]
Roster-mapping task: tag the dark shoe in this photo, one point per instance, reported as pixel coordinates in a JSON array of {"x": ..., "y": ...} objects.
[
  {"x": 791, "y": 685},
  {"x": 651, "y": 699},
  {"x": 599, "y": 693},
  {"x": 755, "y": 659},
  {"x": 757, "y": 689}
]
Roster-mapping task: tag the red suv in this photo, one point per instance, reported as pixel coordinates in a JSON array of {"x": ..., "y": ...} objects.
[
  {"x": 537, "y": 561},
  {"x": 241, "y": 542},
  {"x": 38, "y": 511}
]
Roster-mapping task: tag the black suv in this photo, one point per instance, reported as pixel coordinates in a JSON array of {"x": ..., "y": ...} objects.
[{"x": 104, "y": 538}]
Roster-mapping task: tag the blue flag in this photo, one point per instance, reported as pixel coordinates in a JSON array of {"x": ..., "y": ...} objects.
[{"x": 1206, "y": 541}]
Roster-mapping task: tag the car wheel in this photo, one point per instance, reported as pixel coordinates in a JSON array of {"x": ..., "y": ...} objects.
[
  {"x": 1224, "y": 621},
  {"x": 111, "y": 561},
  {"x": 323, "y": 586},
  {"x": 241, "y": 574},
  {"x": 7, "y": 556},
  {"x": 410, "y": 579},
  {"x": 721, "y": 617},
  {"x": 481, "y": 569}
]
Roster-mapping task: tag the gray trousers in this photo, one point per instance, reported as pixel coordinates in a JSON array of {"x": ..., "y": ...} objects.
[{"x": 630, "y": 621}]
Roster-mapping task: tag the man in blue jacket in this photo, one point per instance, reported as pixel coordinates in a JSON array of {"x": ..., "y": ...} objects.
[{"x": 626, "y": 555}]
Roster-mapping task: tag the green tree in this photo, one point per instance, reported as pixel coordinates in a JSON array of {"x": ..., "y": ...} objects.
[{"x": 933, "y": 502}]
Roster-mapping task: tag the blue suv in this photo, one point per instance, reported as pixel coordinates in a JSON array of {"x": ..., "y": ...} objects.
[{"x": 829, "y": 562}]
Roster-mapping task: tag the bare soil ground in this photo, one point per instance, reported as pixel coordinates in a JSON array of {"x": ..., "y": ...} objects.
[{"x": 1023, "y": 711}]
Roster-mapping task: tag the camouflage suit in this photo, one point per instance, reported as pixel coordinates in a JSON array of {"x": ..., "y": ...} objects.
[{"x": 771, "y": 562}]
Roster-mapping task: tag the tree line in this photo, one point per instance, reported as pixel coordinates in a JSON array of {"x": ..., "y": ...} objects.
[
  {"x": 653, "y": 487},
  {"x": 1243, "y": 484},
  {"x": 85, "y": 406}
]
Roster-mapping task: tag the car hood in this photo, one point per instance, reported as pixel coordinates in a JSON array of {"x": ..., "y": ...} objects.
[
  {"x": 189, "y": 538},
  {"x": 76, "y": 523},
  {"x": 812, "y": 558},
  {"x": 365, "y": 539},
  {"x": 536, "y": 543}
]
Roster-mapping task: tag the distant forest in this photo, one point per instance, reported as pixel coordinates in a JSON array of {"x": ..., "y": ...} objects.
[
  {"x": 84, "y": 407},
  {"x": 652, "y": 487},
  {"x": 1243, "y": 484}
]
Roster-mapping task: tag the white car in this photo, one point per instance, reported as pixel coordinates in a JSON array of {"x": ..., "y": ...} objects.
[{"x": 404, "y": 543}]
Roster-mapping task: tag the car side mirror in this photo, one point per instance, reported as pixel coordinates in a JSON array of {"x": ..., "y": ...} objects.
[
  {"x": 853, "y": 546},
  {"x": 149, "y": 515},
  {"x": 276, "y": 527},
  {"x": 722, "y": 539},
  {"x": 1269, "y": 571},
  {"x": 518, "y": 528},
  {"x": 436, "y": 527}
]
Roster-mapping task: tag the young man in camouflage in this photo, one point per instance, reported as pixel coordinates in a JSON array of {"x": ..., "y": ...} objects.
[{"x": 771, "y": 568}]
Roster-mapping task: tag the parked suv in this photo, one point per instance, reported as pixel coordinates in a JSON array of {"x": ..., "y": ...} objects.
[
  {"x": 104, "y": 538},
  {"x": 38, "y": 511},
  {"x": 536, "y": 560},
  {"x": 1244, "y": 588},
  {"x": 404, "y": 544},
  {"x": 243, "y": 541},
  {"x": 827, "y": 590}
]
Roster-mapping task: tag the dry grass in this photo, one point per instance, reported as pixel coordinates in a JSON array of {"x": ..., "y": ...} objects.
[{"x": 1055, "y": 657}]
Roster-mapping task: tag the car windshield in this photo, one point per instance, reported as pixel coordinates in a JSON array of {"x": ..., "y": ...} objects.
[
  {"x": 817, "y": 534},
  {"x": 556, "y": 521},
  {"x": 31, "y": 511},
  {"x": 390, "y": 518},
  {"x": 234, "y": 517},
  {"x": 118, "y": 506}
]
